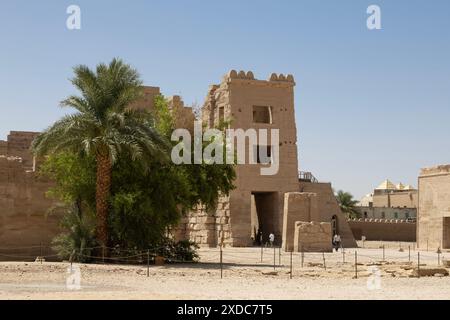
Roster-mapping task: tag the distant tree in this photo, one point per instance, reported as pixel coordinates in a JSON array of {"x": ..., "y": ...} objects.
[{"x": 347, "y": 204}]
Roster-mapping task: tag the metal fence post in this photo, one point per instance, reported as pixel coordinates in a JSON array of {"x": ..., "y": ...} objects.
[
  {"x": 418, "y": 264},
  {"x": 356, "y": 265},
  {"x": 221, "y": 262},
  {"x": 274, "y": 257},
  {"x": 303, "y": 257},
  {"x": 409, "y": 253},
  {"x": 290, "y": 273},
  {"x": 261, "y": 252},
  {"x": 279, "y": 256},
  {"x": 324, "y": 264},
  {"x": 148, "y": 263}
]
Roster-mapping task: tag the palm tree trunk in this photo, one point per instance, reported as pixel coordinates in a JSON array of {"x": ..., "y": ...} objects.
[{"x": 102, "y": 196}]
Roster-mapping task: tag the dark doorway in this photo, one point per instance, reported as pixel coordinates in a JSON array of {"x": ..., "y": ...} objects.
[
  {"x": 446, "y": 233},
  {"x": 264, "y": 215}
]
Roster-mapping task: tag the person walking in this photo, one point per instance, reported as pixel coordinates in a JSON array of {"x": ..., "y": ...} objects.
[{"x": 336, "y": 242}]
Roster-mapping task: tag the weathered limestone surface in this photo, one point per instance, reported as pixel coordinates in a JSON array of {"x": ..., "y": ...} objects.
[
  {"x": 259, "y": 203},
  {"x": 328, "y": 208},
  {"x": 433, "y": 218},
  {"x": 233, "y": 99},
  {"x": 23, "y": 215},
  {"x": 207, "y": 228},
  {"x": 383, "y": 230},
  {"x": 313, "y": 237},
  {"x": 297, "y": 207}
]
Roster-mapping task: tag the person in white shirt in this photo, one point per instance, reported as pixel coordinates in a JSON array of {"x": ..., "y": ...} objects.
[
  {"x": 337, "y": 242},
  {"x": 271, "y": 239}
]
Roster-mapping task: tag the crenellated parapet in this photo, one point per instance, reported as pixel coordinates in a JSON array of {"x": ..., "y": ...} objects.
[
  {"x": 274, "y": 78},
  {"x": 437, "y": 170}
]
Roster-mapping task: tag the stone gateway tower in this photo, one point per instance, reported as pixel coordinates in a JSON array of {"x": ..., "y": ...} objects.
[{"x": 256, "y": 205}]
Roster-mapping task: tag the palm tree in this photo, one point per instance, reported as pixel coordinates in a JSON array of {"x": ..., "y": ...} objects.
[
  {"x": 347, "y": 204},
  {"x": 104, "y": 127}
]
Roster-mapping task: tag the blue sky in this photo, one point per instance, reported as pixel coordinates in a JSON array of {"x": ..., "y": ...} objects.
[{"x": 370, "y": 105}]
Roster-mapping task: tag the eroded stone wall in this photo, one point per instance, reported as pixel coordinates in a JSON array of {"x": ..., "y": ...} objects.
[
  {"x": 24, "y": 219},
  {"x": 383, "y": 230},
  {"x": 207, "y": 228},
  {"x": 313, "y": 237},
  {"x": 233, "y": 100},
  {"x": 297, "y": 207},
  {"x": 433, "y": 217},
  {"x": 328, "y": 208}
]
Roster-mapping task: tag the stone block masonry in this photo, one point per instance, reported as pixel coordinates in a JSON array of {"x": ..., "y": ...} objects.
[
  {"x": 297, "y": 207},
  {"x": 313, "y": 237},
  {"x": 433, "y": 216},
  {"x": 383, "y": 230},
  {"x": 24, "y": 221}
]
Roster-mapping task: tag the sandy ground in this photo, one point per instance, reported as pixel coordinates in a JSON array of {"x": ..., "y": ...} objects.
[{"x": 244, "y": 277}]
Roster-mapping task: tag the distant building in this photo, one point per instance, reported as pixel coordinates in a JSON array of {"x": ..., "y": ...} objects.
[{"x": 390, "y": 201}]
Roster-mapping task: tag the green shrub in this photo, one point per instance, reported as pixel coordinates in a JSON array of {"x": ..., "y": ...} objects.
[{"x": 77, "y": 242}]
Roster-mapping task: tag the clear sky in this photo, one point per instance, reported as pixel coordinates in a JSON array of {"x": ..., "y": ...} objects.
[{"x": 370, "y": 105}]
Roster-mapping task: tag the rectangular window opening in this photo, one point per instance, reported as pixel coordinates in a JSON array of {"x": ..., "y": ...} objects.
[{"x": 262, "y": 114}]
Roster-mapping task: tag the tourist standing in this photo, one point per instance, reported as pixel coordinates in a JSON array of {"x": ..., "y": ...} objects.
[
  {"x": 271, "y": 239},
  {"x": 337, "y": 242}
]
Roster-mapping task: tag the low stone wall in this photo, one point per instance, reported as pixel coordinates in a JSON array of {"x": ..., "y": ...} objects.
[
  {"x": 383, "y": 230},
  {"x": 312, "y": 237}
]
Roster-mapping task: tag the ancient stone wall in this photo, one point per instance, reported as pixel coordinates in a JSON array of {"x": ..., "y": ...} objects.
[
  {"x": 297, "y": 207},
  {"x": 147, "y": 102},
  {"x": 184, "y": 116},
  {"x": 433, "y": 217},
  {"x": 383, "y": 230},
  {"x": 207, "y": 228},
  {"x": 313, "y": 237},
  {"x": 234, "y": 100},
  {"x": 24, "y": 222},
  {"x": 328, "y": 208},
  {"x": 18, "y": 145}
]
